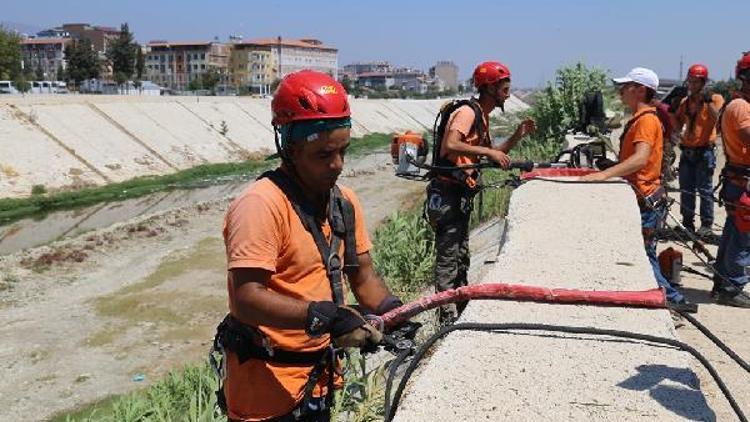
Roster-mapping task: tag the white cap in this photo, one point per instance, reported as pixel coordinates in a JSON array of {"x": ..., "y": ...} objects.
[{"x": 640, "y": 75}]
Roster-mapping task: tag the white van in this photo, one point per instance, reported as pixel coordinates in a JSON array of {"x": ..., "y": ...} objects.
[{"x": 6, "y": 87}]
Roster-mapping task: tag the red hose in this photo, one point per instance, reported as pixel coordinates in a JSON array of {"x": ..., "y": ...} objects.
[
  {"x": 653, "y": 298},
  {"x": 557, "y": 172}
]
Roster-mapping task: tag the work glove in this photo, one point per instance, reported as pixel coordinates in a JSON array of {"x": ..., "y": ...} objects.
[
  {"x": 603, "y": 163},
  {"x": 348, "y": 328}
]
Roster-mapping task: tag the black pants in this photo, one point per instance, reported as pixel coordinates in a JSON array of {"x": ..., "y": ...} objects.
[{"x": 448, "y": 209}]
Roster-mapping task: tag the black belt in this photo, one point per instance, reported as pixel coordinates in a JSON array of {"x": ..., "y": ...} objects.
[
  {"x": 698, "y": 149},
  {"x": 247, "y": 343},
  {"x": 654, "y": 200}
]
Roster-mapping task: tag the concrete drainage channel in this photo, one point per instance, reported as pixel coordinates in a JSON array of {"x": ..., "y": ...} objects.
[{"x": 560, "y": 236}]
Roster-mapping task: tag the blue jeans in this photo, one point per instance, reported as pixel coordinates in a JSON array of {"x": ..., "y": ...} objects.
[
  {"x": 734, "y": 248},
  {"x": 652, "y": 219},
  {"x": 696, "y": 174}
]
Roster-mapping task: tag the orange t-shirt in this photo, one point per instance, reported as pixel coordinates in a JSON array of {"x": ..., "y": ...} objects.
[
  {"x": 736, "y": 117},
  {"x": 703, "y": 132},
  {"x": 262, "y": 230},
  {"x": 646, "y": 128},
  {"x": 462, "y": 121}
]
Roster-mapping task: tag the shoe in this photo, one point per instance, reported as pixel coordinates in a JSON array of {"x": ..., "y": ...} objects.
[
  {"x": 738, "y": 300},
  {"x": 704, "y": 232},
  {"x": 683, "y": 306}
]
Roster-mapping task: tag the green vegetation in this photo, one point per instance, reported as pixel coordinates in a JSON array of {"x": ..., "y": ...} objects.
[
  {"x": 404, "y": 252},
  {"x": 184, "y": 395},
  {"x": 82, "y": 61},
  {"x": 122, "y": 55},
  {"x": 12, "y": 209}
]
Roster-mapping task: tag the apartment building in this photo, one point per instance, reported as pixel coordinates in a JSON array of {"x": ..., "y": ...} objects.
[
  {"x": 447, "y": 72},
  {"x": 252, "y": 66},
  {"x": 45, "y": 54},
  {"x": 292, "y": 55},
  {"x": 99, "y": 36},
  {"x": 175, "y": 64}
]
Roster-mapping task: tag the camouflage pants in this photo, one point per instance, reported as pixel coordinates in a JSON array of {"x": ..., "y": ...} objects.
[{"x": 448, "y": 209}]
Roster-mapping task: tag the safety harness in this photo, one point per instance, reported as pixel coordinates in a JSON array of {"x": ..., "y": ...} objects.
[
  {"x": 249, "y": 343},
  {"x": 658, "y": 197},
  {"x": 438, "y": 132}
]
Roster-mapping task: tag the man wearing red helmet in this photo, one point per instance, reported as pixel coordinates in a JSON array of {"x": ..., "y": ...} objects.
[
  {"x": 450, "y": 194},
  {"x": 697, "y": 115},
  {"x": 733, "y": 257},
  {"x": 292, "y": 238}
]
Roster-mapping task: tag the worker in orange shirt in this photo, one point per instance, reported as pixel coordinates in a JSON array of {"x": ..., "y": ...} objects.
[
  {"x": 696, "y": 119},
  {"x": 733, "y": 257},
  {"x": 292, "y": 240},
  {"x": 450, "y": 195},
  {"x": 639, "y": 163}
]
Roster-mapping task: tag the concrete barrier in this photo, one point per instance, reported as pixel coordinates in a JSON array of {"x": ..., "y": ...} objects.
[
  {"x": 562, "y": 236},
  {"x": 63, "y": 142}
]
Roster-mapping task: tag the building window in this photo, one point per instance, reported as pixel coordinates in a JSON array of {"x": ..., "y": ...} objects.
[
  {"x": 203, "y": 67},
  {"x": 203, "y": 56}
]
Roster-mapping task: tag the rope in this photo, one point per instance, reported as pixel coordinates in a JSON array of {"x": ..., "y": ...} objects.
[{"x": 556, "y": 328}]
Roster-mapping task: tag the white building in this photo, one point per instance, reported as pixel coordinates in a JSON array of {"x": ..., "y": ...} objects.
[{"x": 292, "y": 55}]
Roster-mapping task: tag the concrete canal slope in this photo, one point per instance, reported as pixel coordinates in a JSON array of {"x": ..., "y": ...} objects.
[
  {"x": 78, "y": 140},
  {"x": 571, "y": 236}
]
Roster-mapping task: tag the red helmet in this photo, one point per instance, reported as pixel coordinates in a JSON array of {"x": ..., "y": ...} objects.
[
  {"x": 308, "y": 95},
  {"x": 742, "y": 65},
  {"x": 488, "y": 73},
  {"x": 698, "y": 71}
]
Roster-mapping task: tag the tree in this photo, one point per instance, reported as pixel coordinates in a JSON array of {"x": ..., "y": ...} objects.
[
  {"x": 210, "y": 78},
  {"x": 140, "y": 63},
  {"x": 60, "y": 73},
  {"x": 21, "y": 82},
  {"x": 38, "y": 73},
  {"x": 10, "y": 54},
  {"x": 82, "y": 60},
  {"x": 122, "y": 55}
]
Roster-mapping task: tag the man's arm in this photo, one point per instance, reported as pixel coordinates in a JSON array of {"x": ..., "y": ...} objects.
[
  {"x": 255, "y": 305},
  {"x": 632, "y": 164},
  {"x": 526, "y": 127},
  {"x": 368, "y": 287},
  {"x": 745, "y": 135},
  {"x": 454, "y": 144}
]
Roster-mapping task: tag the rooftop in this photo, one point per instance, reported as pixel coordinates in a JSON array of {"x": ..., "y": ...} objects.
[
  {"x": 50, "y": 40},
  {"x": 169, "y": 44},
  {"x": 288, "y": 42}
]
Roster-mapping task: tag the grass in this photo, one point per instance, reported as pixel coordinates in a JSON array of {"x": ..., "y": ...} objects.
[
  {"x": 40, "y": 203},
  {"x": 184, "y": 395}
]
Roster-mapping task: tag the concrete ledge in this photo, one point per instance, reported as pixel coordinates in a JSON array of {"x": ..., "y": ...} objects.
[{"x": 562, "y": 236}]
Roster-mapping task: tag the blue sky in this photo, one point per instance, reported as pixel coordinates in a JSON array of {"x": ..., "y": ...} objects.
[{"x": 533, "y": 37}]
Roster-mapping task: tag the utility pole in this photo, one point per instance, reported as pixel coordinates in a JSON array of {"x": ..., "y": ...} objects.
[
  {"x": 278, "y": 48},
  {"x": 680, "y": 67}
]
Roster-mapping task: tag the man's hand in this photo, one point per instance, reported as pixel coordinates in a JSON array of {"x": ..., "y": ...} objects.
[
  {"x": 348, "y": 328},
  {"x": 499, "y": 157},
  {"x": 599, "y": 176},
  {"x": 526, "y": 127}
]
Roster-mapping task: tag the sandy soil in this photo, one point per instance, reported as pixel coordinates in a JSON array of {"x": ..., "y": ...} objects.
[{"x": 81, "y": 318}]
